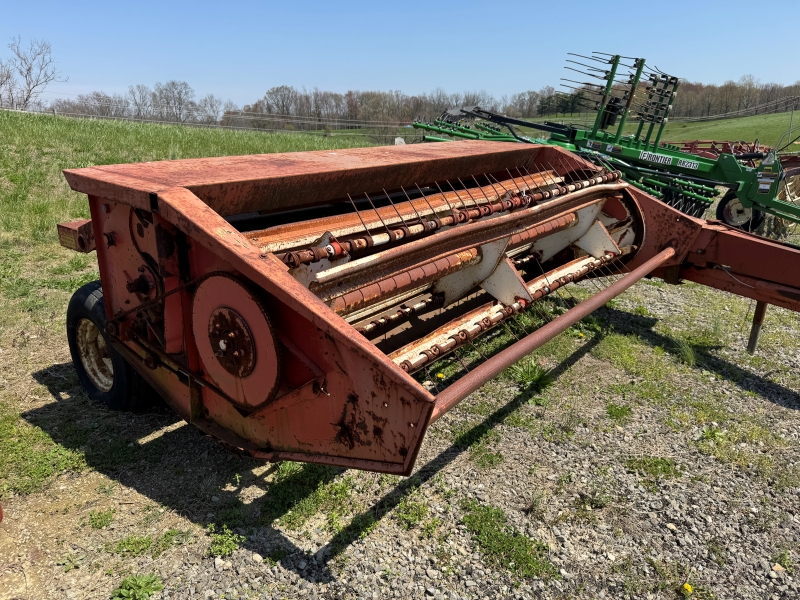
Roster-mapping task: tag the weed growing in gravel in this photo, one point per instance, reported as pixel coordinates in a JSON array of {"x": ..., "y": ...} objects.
[
  {"x": 71, "y": 561},
  {"x": 479, "y": 439},
  {"x": 653, "y": 468},
  {"x": 170, "y": 539},
  {"x": 133, "y": 545},
  {"x": 718, "y": 551},
  {"x": 531, "y": 376},
  {"x": 107, "y": 488},
  {"x": 101, "y": 518},
  {"x": 410, "y": 512},
  {"x": 596, "y": 498},
  {"x": 224, "y": 543},
  {"x": 430, "y": 527},
  {"x": 364, "y": 524},
  {"x": 537, "y": 506},
  {"x": 137, "y": 587},
  {"x": 29, "y": 457},
  {"x": 618, "y": 412},
  {"x": 782, "y": 558},
  {"x": 296, "y": 493},
  {"x": 684, "y": 352},
  {"x": 563, "y": 427},
  {"x": 502, "y": 545},
  {"x": 276, "y": 556},
  {"x": 232, "y": 514}
]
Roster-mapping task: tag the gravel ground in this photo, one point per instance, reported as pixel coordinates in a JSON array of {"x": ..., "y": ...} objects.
[{"x": 638, "y": 471}]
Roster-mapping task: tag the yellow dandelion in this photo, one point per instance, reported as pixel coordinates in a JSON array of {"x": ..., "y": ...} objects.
[
  {"x": 440, "y": 375},
  {"x": 687, "y": 588}
]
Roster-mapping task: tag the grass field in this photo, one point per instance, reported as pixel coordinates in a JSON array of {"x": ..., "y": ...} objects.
[
  {"x": 766, "y": 128},
  {"x": 655, "y": 385},
  {"x": 36, "y": 274}
]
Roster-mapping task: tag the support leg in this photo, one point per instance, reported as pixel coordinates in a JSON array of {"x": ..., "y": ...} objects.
[{"x": 758, "y": 321}]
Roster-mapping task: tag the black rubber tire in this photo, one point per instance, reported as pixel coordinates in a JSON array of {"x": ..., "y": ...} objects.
[
  {"x": 755, "y": 221},
  {"x": 129, "y": 392}
]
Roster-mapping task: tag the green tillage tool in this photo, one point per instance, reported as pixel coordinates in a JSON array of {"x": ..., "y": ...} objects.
[{"x": 680, "y": 179}]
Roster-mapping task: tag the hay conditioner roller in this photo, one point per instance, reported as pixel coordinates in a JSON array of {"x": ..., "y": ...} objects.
[{"x": 289, "y": 304}]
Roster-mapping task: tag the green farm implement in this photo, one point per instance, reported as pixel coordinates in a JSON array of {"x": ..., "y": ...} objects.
[{"x": 752, "y": 181}]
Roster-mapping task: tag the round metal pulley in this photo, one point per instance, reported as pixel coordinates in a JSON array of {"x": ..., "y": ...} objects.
[{"x": 236, "y": 341}]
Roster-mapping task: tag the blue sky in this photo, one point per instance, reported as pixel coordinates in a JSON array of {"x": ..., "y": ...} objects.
[{"x": 237, "y": 50}]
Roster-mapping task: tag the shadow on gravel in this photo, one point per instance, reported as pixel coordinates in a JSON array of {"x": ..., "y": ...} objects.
[
  {"x": 188, "y": 472},
  {"x": 627, "y": 323}
]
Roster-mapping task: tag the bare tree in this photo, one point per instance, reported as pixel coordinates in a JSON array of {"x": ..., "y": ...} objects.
[
  {"x": 141, "y": 101},
  {"x": 281, "y": 99},
  {"x": 175, "y": 100},
  {"x": 209, "y": 109},
  {"x": 36, "y": 69},
  {"x": 6, "y": 83}
]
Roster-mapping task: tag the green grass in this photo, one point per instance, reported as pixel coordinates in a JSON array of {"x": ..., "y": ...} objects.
[
  {"x": 101, "y": 518},
  {"x": 531, "y": 376},
  {"x": 782, "y": 558},
  {"x": 223, "y": 543},
  {"x": 411, "y": 511},
  {"x": 29, "y": 457},
  {"x": 170, "y": 539},
  {"x": 137, "y": 587},
  {"x": 654, "y": 467},
  {"x": 766, "y": 128},
  {"x": 36, "y": 274},
  {"x": 502, "y": 545},
  {"x": 618, "y": 412},
  {"x": 133, "y": 545}
]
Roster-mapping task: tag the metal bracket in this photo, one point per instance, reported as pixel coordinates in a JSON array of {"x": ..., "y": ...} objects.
[
  {"x": 306, "y": 274},
  {"x": 506, "y": 285},
  {"x": 456, "y": 285},
  {"x": 597, "y": 242}
]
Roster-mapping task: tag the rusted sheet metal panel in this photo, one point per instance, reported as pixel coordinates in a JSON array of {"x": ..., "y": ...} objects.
[
  {"x": 77, "y": 235},
  {"x": 747, "y": 254},
  {"x": 664, "y": 227},
  {"x": 743, "y": 285},
  {"x": 272, "y": 182},
  {"x": 302, "y": 422}
]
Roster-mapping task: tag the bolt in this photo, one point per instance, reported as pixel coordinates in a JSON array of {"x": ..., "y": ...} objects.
[
  {"x": 231, "y": 335},
  {"x": 223, "y": 345},
  {"x": 236, "y": 353}
]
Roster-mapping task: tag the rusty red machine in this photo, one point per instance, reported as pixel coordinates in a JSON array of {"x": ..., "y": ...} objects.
[{"x": 284, "y": 303}]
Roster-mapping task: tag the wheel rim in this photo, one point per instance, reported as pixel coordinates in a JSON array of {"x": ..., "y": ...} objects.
[
  {"x": 95, "y": 355},
  {"x": 736, "y": 213}
]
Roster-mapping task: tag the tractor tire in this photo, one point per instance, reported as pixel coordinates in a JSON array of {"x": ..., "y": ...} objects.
[
  {"x": 731, "y": 212},
  {"x": 104, "y": 374}
]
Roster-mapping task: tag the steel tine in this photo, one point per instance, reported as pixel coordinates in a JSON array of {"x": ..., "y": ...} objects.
[
  {"x": 389, "y": 233},
  {"x": 402, "y": 220},
  {"x": 414, "y": 208},
  {"x": 468, "y": 192},
  {"x": 358, "y": 213}
]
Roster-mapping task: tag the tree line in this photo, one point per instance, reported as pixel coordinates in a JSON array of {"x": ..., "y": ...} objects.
[{"x": 25, "y": 75}]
